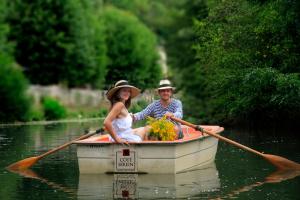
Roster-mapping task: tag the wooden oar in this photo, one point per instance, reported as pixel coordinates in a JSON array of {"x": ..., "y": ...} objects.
[
  {"x": 28, "y": 162},
  {"x": 280, "y": 162}
]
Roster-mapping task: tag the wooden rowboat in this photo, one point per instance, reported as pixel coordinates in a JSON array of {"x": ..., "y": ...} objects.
[{"x": 97, "y": 155}]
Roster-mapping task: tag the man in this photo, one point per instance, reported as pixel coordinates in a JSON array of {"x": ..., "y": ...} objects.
[{"x": 165, "y": 106}]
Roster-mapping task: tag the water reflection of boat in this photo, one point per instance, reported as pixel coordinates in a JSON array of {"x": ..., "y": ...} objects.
[
  {"x": 201, "y": 181},
  {"x": 99, "y": 155}
]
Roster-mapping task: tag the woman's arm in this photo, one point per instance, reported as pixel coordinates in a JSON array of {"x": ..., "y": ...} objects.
[{"x": 113, "y": 114}]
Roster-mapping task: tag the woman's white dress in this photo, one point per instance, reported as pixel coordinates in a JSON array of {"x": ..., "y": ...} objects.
[{"x": 122, "y": 127}]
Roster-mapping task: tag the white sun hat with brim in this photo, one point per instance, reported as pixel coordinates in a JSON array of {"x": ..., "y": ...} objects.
[
  {"x": 122, "y": 84},
  {"x": 165, "y": 84}
]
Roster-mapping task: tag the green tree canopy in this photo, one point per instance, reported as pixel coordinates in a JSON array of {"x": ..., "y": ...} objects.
[
  {"x": 158, "y": 15},
  {"x": 14, "y": 104},
  {"x": 248, "y": 62},
  {"x": 131, "y": 50},
  {"x": 58, "y": 41},
  {"x": 172, "y": 21}
]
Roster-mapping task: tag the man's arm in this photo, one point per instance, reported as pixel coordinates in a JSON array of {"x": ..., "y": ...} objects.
[
  {"x": 178, "y": 113},
  {"x": 144, "y": 113}
]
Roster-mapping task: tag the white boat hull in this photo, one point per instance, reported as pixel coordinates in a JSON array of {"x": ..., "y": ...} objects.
[{"x": 147, "y": 157}]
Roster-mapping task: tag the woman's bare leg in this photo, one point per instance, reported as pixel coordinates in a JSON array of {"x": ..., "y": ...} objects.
[{"x": 142, "y": 132}]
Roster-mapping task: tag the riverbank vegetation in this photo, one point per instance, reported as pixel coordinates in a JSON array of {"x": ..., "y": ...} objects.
[
  {"x": 234, "y": 62},
  {"x": 14, "y": 103},
  {"x": 248, "y": 63}
]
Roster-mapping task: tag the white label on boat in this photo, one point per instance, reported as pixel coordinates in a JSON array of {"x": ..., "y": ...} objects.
[
  {"x": 125, "y": 186},
  {"x": 126, "y": 161}
]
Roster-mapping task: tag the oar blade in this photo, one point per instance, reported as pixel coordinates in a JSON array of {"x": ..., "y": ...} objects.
[
  {"x": 28, "y": 173},
  {"x": 282, "y": 163},
  {"x": 23, "y": 164}
]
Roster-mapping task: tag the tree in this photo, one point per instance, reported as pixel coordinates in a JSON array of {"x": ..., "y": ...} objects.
[
  {"x": 14, "y": 103},
  {"x": 158, "y": 15},
  {"x": 247, "y": 63},
  {"x": 58, "y": 41},
  {"x": 182, "y": 39},
  {"x": 132, "y": 52}
]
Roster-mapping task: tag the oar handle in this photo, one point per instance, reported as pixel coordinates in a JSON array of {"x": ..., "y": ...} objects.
[
  {"x": 71, "y": 142},
  {"x": 199, "y": 128}
]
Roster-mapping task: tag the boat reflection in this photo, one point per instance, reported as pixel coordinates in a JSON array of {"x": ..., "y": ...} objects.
[
  {"x": 28, "y": 173},
  {"x": 275, "y": 177},
  {"x": 202, "y": 182},
  {"x": 282, "y": 175},
  {"x": 150, "y": 186}
]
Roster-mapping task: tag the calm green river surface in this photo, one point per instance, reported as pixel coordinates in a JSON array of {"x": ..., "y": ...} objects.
[{"x": 234, "y": 174}]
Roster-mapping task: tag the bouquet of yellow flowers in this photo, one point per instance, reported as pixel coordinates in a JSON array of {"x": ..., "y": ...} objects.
[{"x": 161, "y": 129}]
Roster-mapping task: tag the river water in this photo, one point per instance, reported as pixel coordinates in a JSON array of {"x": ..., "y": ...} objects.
[{"x": 234, "y": 174}]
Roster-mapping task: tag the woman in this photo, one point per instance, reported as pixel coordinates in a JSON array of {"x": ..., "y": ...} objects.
[{"x": 118, "y": 121}]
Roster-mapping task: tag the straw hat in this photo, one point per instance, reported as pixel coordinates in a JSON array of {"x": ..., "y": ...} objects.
[
  {"x": 122, "y": 84},
  {"x": 165, "y": 84}
]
